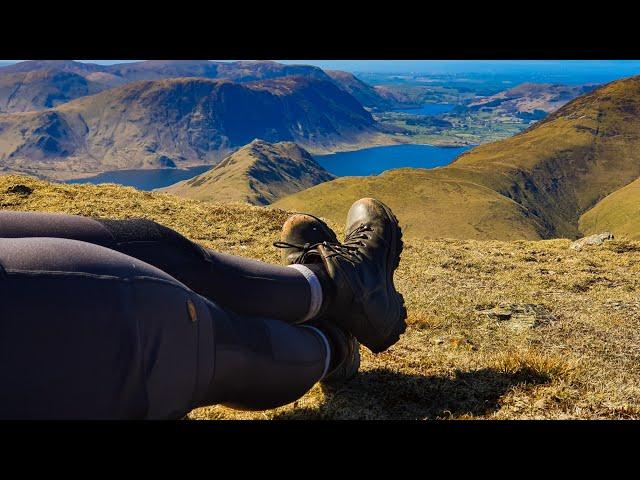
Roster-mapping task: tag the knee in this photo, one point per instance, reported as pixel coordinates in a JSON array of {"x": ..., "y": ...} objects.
[{"x": 73, "y": 256}]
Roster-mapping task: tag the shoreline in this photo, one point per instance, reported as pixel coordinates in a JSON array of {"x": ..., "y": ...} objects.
[
  {"x": 381, "y": 141},
  {"x": 127, "y": 170}
]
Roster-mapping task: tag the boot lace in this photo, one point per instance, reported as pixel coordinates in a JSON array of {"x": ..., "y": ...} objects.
[{"x": 349, "y": 249}]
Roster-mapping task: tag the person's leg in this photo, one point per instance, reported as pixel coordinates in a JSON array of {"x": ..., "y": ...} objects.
[
  {"x": 246, "y": 286},
  {"x": 88, "y": 332}
]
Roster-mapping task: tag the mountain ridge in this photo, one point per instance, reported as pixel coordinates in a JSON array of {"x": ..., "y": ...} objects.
[{"x": 102, "y": 77}]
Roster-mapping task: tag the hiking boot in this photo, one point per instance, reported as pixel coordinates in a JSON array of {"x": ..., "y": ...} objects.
[
  {"x": 363, "y": 299},
  {"x": 345, "y": 356},
  {"x": 300, "y": 234}
]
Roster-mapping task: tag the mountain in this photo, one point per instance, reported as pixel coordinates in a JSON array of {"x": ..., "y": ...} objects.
[
  {"x": 180, "y": 122},
  {"x": 367, "y": 95},
  {"x": 42, "y": 89},
  {"x": 531, "y": 100},
  {"x": 551, "y": 173},
  {"x": 241, "y": 71},
  {"x": 257, "y": 173},
  {"x": 57, "y": 65},
  {"x": 38, "y": 85}
]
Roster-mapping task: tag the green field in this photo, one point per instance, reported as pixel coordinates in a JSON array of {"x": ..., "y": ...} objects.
[{"x": 459, "y": 129}]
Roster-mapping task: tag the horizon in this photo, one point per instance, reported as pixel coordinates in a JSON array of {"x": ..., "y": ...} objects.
[{"x": 559, "y": 68}]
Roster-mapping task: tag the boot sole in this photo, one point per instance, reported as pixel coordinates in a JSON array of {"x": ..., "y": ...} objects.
[{"x": 398, "y": 310}]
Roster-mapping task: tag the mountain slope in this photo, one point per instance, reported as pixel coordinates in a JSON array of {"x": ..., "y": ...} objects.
[
  {"x": 531, "y": 100},
  {"x": 560, "y": 346},
  {"x": 180, "y": 122},
  {"x": 618, "y": 213},
  {"x": 258, "y": 173},
  {"x": 429, "y": 204},
  {"x": 363, "y": 92},
  {"x": 554, "y": 171},
  {"x": 565, "y": 164},
  {"x": 42, "y": 89}
]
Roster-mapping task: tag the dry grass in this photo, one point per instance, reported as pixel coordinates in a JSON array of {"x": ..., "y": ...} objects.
[
  {"x": 496, "y": 329},
  {"x": 617, "y": 213}
]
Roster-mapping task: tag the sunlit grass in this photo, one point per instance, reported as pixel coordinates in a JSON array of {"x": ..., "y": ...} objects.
[{"x": 566, "y": 343}]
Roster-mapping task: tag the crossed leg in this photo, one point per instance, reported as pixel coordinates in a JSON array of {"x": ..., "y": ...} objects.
[
  {"x": 88, "y": 332},
  {"x": 246, "y": 286}
]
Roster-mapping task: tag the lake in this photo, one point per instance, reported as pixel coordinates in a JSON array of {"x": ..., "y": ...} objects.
[
  {"x": 145, "y": 179},
  {"x": 368, "y": 161},
  {"x": 428, "y": 109},
  {"x": 372, "y": 161}
]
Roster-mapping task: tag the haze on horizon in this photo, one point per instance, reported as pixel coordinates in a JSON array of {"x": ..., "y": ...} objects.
[{"x": 616, "y": 68}]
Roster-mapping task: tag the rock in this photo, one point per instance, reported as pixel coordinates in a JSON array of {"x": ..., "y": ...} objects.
[
  {"x": 597, "y": 239},
  {"x": 20, "y": 189},
  {"x": 519, "y": 315},
  {"x": 500, "y": 313}
]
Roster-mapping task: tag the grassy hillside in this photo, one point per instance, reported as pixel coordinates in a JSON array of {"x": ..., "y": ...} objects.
[
  {"x": 556, "y": 171},
  {"x": 258, "y": 173},
  {"x": 429, "y": 203},
  {"x": 618, "y": 213},
  {"x": 496, "y": 329}
]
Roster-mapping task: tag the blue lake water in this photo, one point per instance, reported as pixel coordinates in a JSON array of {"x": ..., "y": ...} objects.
[
  {"x": 368, "y": 161},
  {"x": 145, "y": 179},
  {"x": 372, "y": 161},
  {"x": 428, "y": 109}
]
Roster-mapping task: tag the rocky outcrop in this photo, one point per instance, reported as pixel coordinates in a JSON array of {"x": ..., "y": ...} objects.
[{"x": 591, "y": 240}]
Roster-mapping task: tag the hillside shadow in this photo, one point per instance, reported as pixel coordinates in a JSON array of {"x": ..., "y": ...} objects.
[{"x": 387, "y": 395}]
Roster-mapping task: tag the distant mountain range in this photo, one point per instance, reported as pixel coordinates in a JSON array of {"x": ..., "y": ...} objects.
[
  {"x": 180, "y": 122},
  {"x": 37, "y": 84},
  {"x": 531, "y": 100},
  {"x": 41, "y": 84},
  {"x": 545, "y": 182},
  {"x": 258, "y": 173}
]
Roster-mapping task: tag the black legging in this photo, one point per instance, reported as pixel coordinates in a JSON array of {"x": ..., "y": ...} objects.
[
  {"x": 90, "y": 332},
  {"x": 243, "y": 285}
]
